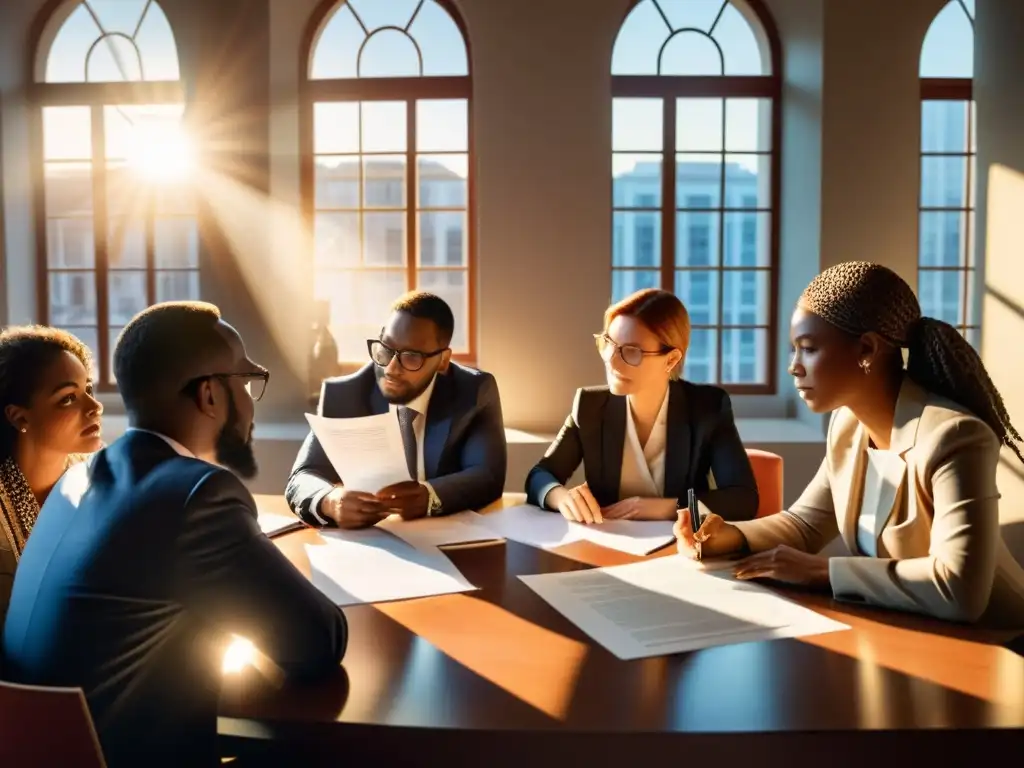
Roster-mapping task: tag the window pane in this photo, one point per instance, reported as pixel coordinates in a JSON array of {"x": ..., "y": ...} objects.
[
  {"x": 389, "y": 53},
  {"x": 745, "y": 298},
  {"x": 67, "y": 133},
  {"x": 359, "y": 303},
  {"x": 442, "y": 44},
  {"x": 72, "y": 298},
  {"x": 748, "y": 181},
  {"x": 944, "y": 126},
  {"x": 451, "y": 286},
  {"x": 442, "y": 125},
  {"x": 972, "y": 317},
  {"x": 337, "y": 182},
  {"x": 384, "y": 241},
  {"x": 384, "y": 181},
  {"x": 177, "y": 286},
  {"x": 112, "y": 334},
  {"x": 698, "y": 290},
  {"x": 336, "y": 239},
  {"x": 335, "y": 127},
  {"x": 125, "y": 195},
  {"x": 70, "y": 244},
  {"x": 739, "y": 45},
  {"x": 151, "y": 139},
  {"x": 691, "y": 53},
  {"x": 699, "y": 175},
  {"x": 697, "y": 238},
  {"x": 636, "y": 181},
  {"x": 637, "y": 125},
  {"x": 442, "y": 239},
  {"x": 701, "y": 357},
  {"x": 748, "y": 125},
  {"x": 68, "y": 189},
  {"x": 699, "y": 125},
  {"x": 176, "y": 198},
  {"x": 91, "y": 339},
  {"x": 940, "y": 295},
  {"x": 948, "y": 49},
  {"x": 383, "y": 126},
  {"x": 628, "y": 281},
  {"x": 747, "y": 239},
  {"x": 442, "y": 181},
  {"x": 176, "y": 242},
  {"x": 126, "y": 243},
  {"x": 744, "y": 356},
  {"x": 113, "y": 60},
  {"x": 637, "y": 239},
  {"x": 943, "y": 182},
  {"x": 127, "y": 295},
  {"x": 942, "y": 239}
]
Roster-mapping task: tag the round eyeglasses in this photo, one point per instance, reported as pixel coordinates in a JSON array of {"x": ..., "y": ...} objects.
[
  {"x": 409, "y": 359},
  {"x": 630, "y": 353}
]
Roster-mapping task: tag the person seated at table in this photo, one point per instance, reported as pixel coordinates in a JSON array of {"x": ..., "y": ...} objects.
[
  {"x": 647, "y": 437},
  {"x": 50, "y": 420},
  {"x": 146, "y": 556},
  {"x": 909, "y": 474},
  {"x": 450, "y": 418}
]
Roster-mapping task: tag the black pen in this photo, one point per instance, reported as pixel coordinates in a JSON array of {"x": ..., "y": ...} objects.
[{"x": 691, "y": 504}]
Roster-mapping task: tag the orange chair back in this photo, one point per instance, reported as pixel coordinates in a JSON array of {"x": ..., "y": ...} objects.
[
  {"x": 767, "y": 468},
  {"x": 47, "y": 726}
]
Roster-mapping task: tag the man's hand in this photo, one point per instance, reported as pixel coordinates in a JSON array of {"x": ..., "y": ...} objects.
[
  {"x": 410, "y": 499},
  {"x": 352, "y": 509}
]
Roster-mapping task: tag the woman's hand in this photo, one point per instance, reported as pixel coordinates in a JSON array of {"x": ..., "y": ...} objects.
[
  {"x": 715, "y": 537},
  {"x": 576, "y": 504},
  {"x": 640, "y": 508},
  {"x": 785, "y": 564}
]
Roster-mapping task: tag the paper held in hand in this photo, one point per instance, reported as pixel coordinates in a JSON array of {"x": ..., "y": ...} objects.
[{"x": 366, "y": 451}]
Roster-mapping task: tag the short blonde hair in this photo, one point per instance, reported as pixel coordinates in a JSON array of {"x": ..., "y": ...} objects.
[{"x": 662, "y": 313}]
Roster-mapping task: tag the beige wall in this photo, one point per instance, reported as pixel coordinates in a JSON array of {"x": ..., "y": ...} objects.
[
  {"x": 998, "y": 74},
  {"x": 542, "y": 130}
]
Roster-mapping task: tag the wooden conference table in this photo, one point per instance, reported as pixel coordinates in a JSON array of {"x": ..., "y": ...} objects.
[{"x": 498, "y": 677}]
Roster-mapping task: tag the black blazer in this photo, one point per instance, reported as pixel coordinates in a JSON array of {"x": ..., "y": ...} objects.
[
  {"x": 139, "y": 565},
  {"x": 701, "y": 436},
  {"x": 465, "y": 455}
]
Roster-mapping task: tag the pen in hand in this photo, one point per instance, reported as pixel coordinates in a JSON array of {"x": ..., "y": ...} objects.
[{"x": 694, "y": 510}]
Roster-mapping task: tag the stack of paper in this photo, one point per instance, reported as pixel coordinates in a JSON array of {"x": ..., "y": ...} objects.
[
  {"x": 273, "y": 524},
  {"x": 431, "y": 532},
  {"x": 371, "y": 566},
  {"x": 536, "y": 527},
  {"x": 666, "y": 605}
]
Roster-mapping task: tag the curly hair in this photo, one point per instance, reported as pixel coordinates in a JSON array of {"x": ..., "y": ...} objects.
[
  {"x": 25, "y": 352},
  {"x": 860, "y": 297}
]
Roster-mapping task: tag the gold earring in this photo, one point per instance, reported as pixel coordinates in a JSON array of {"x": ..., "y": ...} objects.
[
  {"x": 865, "y": 365},
  {"x": 24, "y": 430}
]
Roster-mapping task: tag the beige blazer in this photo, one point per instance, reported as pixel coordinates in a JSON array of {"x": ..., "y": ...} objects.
[{"x": 939, "y": 547}]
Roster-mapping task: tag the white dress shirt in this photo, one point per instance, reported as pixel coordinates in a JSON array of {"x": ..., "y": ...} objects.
[
  {"x": 879, "y": 494},
  {"x": 643, "y": 467}
]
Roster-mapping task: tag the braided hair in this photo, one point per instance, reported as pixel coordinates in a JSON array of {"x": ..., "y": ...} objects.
[
  {"x": 860, "y": 297},
  {"x": 25, "y": 351}
]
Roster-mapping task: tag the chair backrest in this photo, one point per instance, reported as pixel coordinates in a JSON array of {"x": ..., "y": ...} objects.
[
  {"x": 47, "y": 726},
  {"x": 767, "y": 468}
]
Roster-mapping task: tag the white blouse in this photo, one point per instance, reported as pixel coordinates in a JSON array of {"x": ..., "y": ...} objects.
[
  {"x": 879, "y": 496},
  {"x": 643, "y": 467}
]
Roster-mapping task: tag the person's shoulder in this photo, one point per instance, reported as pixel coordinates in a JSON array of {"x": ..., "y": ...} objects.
[
  {"x": 704, "y": 397},
  {"x": 946, "y": 425},
  {"x": 215, "y": 485}
]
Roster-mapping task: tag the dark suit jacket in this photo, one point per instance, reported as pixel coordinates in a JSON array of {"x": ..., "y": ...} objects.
[
  {"x": 701, "y": 436},
  {"x": 139, "y": 565},
  {"x": 464, "y": 454}
]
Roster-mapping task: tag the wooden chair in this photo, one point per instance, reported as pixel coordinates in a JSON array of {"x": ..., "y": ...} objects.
[
  {"x": 767, "y": 468},
  {"x": 46, "y": 727}
]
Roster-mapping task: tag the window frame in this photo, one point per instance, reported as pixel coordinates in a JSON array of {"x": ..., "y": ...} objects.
[
  {"x": 409, "y": 90},
  {"x": 669, "y": 88},
  {"x": 96, "y": 96},
  {"x": 955, "y": 89}
]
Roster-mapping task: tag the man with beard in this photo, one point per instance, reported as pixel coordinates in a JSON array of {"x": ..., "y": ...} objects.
[
  {"x": 449, "y": 415},
  {"x": 145, "y": 558}
]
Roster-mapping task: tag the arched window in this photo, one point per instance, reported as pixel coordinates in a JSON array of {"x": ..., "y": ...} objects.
[
  {"x": 116, "y": 217},
  {"x": 946, "y": 258},
  {"x": 695, "y": 176},
  {"x": 387, "y": 181}
]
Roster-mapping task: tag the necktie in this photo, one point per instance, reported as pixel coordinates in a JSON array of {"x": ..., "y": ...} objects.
[{"x": 406, "y": 417}]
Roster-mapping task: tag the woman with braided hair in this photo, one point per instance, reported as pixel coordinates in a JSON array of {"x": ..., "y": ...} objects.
[{"x": 909, "y": 475}]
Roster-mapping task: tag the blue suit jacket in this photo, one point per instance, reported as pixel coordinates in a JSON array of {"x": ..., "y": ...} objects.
[
  {"x": 464, "y": 452},
  {"x": 139, "y": 565}
]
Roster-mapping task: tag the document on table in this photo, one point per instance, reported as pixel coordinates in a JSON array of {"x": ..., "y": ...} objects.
[
  {"x": 432, "y": 532},
  {"x": 534, "y": 526},
  {"x": 274, "y": 524},
  {"x": 662, "y": 606},
  {"x": 370, "y": 566},
  {"x": 367, "y": 451}
]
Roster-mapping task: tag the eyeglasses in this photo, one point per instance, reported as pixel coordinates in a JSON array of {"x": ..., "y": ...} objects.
[
  {"x": 256, "y": 385},
  {"x": 409, "y": 359},
  {"x": 630, "y": 353}
]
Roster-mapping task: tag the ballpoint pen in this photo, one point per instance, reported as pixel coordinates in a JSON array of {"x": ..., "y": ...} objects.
[{"x": 691, "y": 503}]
